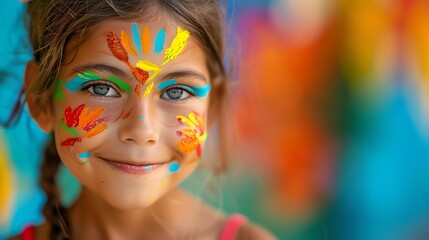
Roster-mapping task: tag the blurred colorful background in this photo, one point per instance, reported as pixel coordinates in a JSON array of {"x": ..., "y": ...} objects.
[{"x": 329, "y": 105}]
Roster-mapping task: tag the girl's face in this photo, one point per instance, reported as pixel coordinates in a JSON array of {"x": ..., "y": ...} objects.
[{"x": 130, "y": 110}]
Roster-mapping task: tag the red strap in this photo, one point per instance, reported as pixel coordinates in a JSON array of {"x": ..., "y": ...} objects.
[
  {"x": 232, "y": 226},
  {"x": 28, "y": 233}
]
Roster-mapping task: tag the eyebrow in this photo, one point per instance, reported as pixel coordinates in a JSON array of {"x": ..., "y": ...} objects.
[
  {"x": 183, "y": 74},
  {"x": 100, "y": 67}
]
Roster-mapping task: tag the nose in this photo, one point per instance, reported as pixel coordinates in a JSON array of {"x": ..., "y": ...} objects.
[{"x": 140, "y": 125}]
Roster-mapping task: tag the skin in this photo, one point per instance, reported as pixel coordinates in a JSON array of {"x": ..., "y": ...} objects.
[{"x": 118, "y": 205}]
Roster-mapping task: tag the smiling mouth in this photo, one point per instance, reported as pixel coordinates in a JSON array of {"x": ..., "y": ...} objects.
[{"x": 132, "y": 168}]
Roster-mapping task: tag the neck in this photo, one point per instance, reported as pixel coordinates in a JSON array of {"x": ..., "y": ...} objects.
[{"x": 92, "y": 218}]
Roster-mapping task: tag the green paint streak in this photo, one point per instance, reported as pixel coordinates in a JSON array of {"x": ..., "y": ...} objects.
[
  {"x": 120, "y": 83},
  {"x": 57, "y": 92},
  {"x": 84, "y": 162},
  {"x": 92, "y": 75},
  {"x": 64, "y": 126}
]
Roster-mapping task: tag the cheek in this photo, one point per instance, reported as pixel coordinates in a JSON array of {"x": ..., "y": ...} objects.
[
  {"x": 79, "y": 127},
  {"x": 192, "y": 133}
]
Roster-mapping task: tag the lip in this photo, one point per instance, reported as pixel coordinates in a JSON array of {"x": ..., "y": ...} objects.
[{"x": 133, "y": 168}]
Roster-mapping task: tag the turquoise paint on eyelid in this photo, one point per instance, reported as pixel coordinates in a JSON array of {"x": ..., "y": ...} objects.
[
  {"x": 136, "y": 37},
  {"x": 199, "y": 91},
  {"x": 159, "y": 41},
  {"x": 166, "y": 84},
  {"x": 75, "y": 83}
]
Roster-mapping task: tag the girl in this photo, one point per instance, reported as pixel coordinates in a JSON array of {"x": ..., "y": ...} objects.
[{"x": 128, "y": 90}]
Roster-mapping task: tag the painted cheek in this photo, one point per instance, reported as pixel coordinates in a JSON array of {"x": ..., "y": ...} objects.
[
  {"x": 193, "y": 135},
  {"x": 80, "y": 158},
  {"x": 84, "y": 119}
]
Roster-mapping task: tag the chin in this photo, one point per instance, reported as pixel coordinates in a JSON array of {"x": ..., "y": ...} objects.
[{"x": 130, "y": 202}]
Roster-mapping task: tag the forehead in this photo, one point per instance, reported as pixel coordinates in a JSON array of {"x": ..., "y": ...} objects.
[{"x": 95, "y": 46}]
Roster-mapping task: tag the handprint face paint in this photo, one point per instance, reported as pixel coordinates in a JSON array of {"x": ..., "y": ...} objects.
[
  {"x": 144, "y": 70},
  {"x": 117, "y": 104}
]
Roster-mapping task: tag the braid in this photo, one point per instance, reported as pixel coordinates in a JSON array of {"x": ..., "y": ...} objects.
[{"x": 53, "y": 211}]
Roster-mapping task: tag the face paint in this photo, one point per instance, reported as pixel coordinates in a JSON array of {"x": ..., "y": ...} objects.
[
  {"x": 86, "y": 118},
  {"x": 177, "y": 45},
  {"x": 75, "y": 84},
  {"x": 84, "y": 155},
  {"x": 121, "y": 47},
  {"x": 72, "y": 116},
  {"x": 166, "y": 84},
  {"x": 148, "y": 89},
  {"x": 192, "y": 136},
  {"x": 159, "y": 41},
  {"x": 136, "y": 37},
  {"x": 145, "y": 39},
  {"x": 115, "y": 46},
  {"x": 71, "y": 141},
  {"x": 120, "y": 83},
  {"x": 58, "y": 90},
  {"x": 90, "y": 122},
  {"x": 174, "y": 167},
  {"x": 96, "y": 130},
  {"x": 68, "y": 128},
  {"x": 148, "y": 67},
  {"x": 127, "y": 44},
  {"x": 199, "y": 91},
  {"x": 138, "y": 90}
]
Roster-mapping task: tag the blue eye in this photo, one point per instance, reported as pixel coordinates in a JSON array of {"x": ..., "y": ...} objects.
[
  {"x": 103, "y": 90},
  {"x": 175, "y": 93}
]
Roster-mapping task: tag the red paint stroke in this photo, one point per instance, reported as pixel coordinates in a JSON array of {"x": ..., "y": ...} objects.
[
  {"x": 72, "y": 116},
  {"x": 117, "y": 49},
  {"x": 71, "y": 141},
  {"x": 140, "y": 74},
  {"x": 138, "y": 90},
  {"x": 199, "y": 150}
]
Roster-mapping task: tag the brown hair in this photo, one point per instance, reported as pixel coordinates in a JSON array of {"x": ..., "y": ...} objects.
[{"x": 52, "y": 23}]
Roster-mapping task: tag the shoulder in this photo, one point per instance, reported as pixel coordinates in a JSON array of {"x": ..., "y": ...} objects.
[{"x": 252, "y": 231}]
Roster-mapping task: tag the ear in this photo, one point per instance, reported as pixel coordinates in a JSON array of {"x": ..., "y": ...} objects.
[{"x": 39, "y": 105}]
